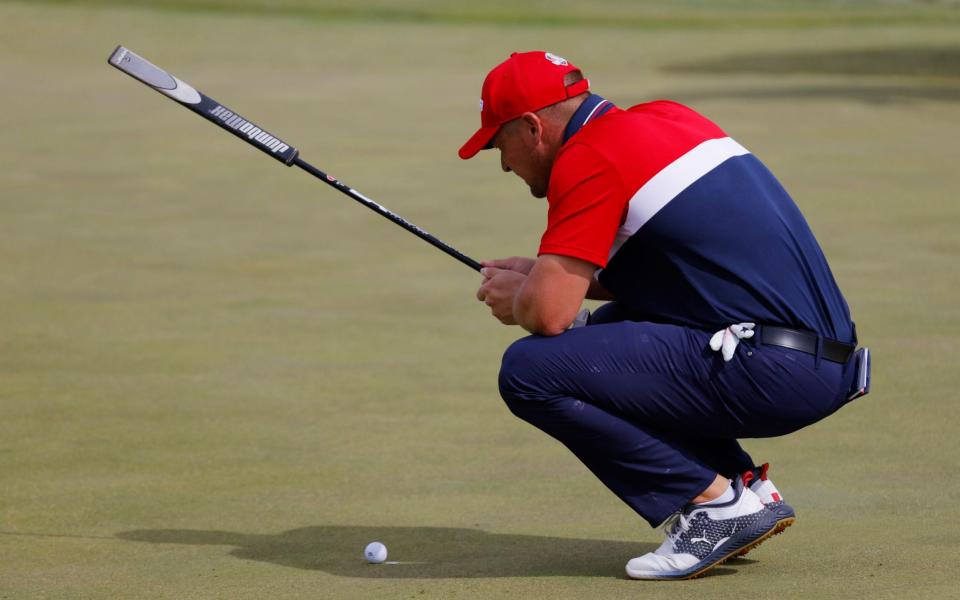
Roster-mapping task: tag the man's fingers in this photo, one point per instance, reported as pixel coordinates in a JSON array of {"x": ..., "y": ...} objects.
[
  {"x": 498, "y": 289},
  {"x": 498, "y": 263},
  {"x": 514, "y": 263}
]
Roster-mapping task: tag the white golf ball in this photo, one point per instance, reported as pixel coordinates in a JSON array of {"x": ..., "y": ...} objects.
[{"x": 375, "y": 552}]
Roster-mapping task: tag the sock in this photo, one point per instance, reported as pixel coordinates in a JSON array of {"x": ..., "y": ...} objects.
[{"x": 727, "y": 496}]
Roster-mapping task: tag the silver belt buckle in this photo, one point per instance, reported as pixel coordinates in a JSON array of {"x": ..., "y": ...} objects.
[{"x": 861, "y": 381}]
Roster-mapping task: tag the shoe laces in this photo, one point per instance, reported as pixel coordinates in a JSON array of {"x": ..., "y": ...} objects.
[{"x": 676, "y": 525}]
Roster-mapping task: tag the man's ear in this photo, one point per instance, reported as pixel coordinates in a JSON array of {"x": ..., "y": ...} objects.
[{"x": 532, "y": 128}]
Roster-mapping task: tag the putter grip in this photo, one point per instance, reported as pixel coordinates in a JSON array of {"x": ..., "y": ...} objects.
[{"x": 149, "y": 74}]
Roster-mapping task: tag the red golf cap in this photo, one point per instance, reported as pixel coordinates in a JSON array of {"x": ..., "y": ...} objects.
[{"x": 525, "y": 82}]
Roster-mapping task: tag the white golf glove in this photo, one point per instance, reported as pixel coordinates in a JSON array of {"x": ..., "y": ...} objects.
[{"x": 726, "y": 340}]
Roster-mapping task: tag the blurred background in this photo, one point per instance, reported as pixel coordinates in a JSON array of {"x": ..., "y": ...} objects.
[{"x": 221, "y": 379}]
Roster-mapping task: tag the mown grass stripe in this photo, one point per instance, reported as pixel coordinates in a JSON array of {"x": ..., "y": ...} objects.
[{"x": 733, "y": 17}]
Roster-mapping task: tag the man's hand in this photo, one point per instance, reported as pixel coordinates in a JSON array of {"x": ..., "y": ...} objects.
[
  {"x": 543, "y": 295},
  {"x": 499, "y": 288},
  {"x": 519, "y": 264}
]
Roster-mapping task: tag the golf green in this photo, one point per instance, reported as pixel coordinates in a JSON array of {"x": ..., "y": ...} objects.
[{"x": 220, "y": 378}]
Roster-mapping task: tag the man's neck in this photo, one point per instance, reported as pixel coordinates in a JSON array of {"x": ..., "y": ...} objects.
[{"x": 590, "y": 109}]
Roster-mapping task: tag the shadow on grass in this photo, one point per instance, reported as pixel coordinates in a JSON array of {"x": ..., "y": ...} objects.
[
  {"x": 921, "y": 61},
  {"x": 868, "y": 94},
  {"x": 921, "y": 73},
  {"x": 416, "y": 552}
]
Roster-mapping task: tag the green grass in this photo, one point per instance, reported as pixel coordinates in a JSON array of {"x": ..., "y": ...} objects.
[
  {"x": 221, "y": 379},
  {"x": 618, "y": 14}
]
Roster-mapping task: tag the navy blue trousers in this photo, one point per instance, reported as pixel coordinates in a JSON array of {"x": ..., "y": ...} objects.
[{"x": 654, "y": 413}]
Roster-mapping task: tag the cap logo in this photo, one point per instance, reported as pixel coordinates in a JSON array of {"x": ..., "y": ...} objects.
[
  {"x": 481, "y": 104},
  {"x": 557, "y": 60}
]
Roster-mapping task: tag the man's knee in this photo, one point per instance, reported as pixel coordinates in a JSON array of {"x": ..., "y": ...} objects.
[
  {"x": 518, "y": 372},
  {"x": 611, "y": 312}
]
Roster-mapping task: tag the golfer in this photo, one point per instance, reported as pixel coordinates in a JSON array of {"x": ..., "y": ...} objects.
[{"x": 724, "y": 320}]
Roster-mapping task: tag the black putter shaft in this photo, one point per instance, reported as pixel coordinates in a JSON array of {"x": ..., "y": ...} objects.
[{"x": 146, "y": 72}]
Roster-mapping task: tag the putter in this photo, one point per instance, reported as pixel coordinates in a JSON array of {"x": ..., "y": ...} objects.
[{"x": 148, "y": 73}]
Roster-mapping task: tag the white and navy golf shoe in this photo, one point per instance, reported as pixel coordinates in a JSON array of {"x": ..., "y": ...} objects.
[
  {"x": 701, "y": 537},
  {"x": 757, "y": 481}
]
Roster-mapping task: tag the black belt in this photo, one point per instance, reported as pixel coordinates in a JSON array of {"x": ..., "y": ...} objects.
[{"x": 805, "y": 341}]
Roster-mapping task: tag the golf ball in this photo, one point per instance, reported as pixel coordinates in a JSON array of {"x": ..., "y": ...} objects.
[{"x": 375, "y": 552}]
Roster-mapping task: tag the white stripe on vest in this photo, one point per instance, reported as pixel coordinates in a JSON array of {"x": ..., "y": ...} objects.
[{"x": 671, "y": 181}]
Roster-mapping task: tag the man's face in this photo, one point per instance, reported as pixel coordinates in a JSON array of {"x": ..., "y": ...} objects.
[{"x": 522, "y": 151}]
